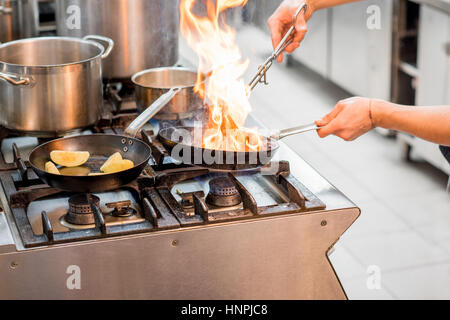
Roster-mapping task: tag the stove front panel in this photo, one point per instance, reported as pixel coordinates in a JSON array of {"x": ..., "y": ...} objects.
[{"x": 282, "y": 257}]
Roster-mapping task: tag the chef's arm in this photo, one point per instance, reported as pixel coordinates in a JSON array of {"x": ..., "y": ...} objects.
[
  {"x": 281, "y": 20},
  {"x": 322, "y": 4},
  {"x": 430, "y": 123},
  {"x": 353, "y": 117}
]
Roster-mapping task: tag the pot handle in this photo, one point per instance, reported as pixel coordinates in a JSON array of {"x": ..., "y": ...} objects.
[
  {"x": 15, "y": 79},
  {"x": 148, "y": 113},
  {"x": 100, "y": 39}
]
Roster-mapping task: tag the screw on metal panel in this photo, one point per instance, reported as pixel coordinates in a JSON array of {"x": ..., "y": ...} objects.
[
  {"x": 14, "y": 265},
  {"x": 174, "y": 243},
  {"x": 323, "y": 223}
]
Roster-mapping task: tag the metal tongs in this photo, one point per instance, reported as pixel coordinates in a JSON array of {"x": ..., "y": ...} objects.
[{"x": 260, "y": 76}]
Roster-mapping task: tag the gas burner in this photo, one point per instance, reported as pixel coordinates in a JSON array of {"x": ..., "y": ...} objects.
[
  {"x": 80, "y": 211},
  {"x": 187, "y": 198},
  {"x": 122, "y": 209},
  {"x": 223, "y": 192}
]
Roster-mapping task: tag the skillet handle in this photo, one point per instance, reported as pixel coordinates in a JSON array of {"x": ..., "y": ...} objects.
[
  {"x": 135, "y": 126},
  {"x": 295, "y": 130}
]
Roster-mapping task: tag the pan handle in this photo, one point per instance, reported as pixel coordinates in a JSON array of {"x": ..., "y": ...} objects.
[
  {"x": 295, "y": 130},
  {"x": 148, "y": 113}
]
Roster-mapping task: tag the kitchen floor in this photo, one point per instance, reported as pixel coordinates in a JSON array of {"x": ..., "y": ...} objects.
[{"x": 399, "y": 248}]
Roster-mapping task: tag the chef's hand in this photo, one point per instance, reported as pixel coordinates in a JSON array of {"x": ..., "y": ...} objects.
[
  {"x": 281, "y": 21},
  {"x": 349, "y": 119}
]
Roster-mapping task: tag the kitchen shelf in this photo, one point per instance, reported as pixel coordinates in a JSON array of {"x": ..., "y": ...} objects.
[
  {"x": 404, "y": 52},
  {"x": 409, "y": 69}
]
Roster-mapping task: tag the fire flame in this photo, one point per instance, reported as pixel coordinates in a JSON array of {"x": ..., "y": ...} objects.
[{"x": 223, "y": 89}]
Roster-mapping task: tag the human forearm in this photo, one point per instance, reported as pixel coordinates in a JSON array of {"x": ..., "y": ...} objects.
[
  {"x": 431, "y": 123},
  {"x": 322, "y": 4}
]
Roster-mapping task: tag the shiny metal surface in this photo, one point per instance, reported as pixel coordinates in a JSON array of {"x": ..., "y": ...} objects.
[
  {"x": 151, "y": 111},
  {"x": 18, "y": 19},
  {"x": 295, "y": 130},
  {"x": 57, "y": 206},
  {"x": 439, "y": 4},
  {"x": 280, "y": 257},
  {"x": 152, "y": 83},
  {"x": 269, "y": 258},
  {"x": 58, "y": 85},
  {"x": 145, "y": 32}
]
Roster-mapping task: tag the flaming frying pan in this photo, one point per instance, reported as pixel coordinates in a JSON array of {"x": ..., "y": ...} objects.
[{"x": 186, "y": 147}]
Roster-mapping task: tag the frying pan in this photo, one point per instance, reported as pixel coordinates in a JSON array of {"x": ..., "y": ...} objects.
[
  {"x": 184, "y": 144},
  {"x": 100, "y": 147}
]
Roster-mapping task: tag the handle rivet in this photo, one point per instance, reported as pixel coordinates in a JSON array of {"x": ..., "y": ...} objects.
[
  {"x": 174, "y": 243},
  {"x": 323, "y": 223}
]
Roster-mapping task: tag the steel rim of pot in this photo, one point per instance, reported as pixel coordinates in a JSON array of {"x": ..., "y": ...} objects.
[
  {"x": 17, "y": 78},
  {"x": 103, "y": 53},
  {"x": 136, "y": 82}
]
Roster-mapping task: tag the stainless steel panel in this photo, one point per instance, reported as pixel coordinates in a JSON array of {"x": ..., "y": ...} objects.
[
  {"x": 6, "y": 240},
  {"x": 269, "y": 258},
  {"x": 145, "y": 32},
  {"x": 361, "y": 57}
]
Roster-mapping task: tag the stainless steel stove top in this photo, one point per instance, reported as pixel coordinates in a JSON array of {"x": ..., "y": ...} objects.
[{"x": 286, "y": 220}]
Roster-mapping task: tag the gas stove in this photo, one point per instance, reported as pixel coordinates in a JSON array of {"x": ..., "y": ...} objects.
[{"x": 176, "y": 232}]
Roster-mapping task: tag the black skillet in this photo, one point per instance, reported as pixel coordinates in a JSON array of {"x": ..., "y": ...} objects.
[
  {"x": 100, "y": 147},
  {"x": 185, "y": 145}
]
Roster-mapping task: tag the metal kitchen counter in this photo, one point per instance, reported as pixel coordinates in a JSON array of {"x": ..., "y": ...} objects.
[{"x": 300, "y": 169}]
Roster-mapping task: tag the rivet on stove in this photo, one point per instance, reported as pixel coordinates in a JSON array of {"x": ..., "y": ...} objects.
[
  {"x": 14, "y": 265},
  {"x": 174, "y": 243},
  {"x": 125, "y": 149},
  {"x": 130, "y": 142},
  {"x": 124, "y": 141},
  {"x": 323, "y": 223}
]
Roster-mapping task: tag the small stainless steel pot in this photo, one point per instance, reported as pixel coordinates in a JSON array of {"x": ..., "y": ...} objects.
[
  {"x": 52, "y": 85},
  {"x": 150, "y": 84},
  {"x": 18, "y": 19}
]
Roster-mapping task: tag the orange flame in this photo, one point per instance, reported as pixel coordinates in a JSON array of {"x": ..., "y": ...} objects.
[{"x": 224, "y": 90}]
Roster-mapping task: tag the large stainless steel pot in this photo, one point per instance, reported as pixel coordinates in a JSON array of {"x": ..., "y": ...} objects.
[
  {"x": 51, "y": 86},
  {"x": 145, "y": 32},
  {"x": 151, "y": 84},
  {"x": 18, "y": 19}
]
